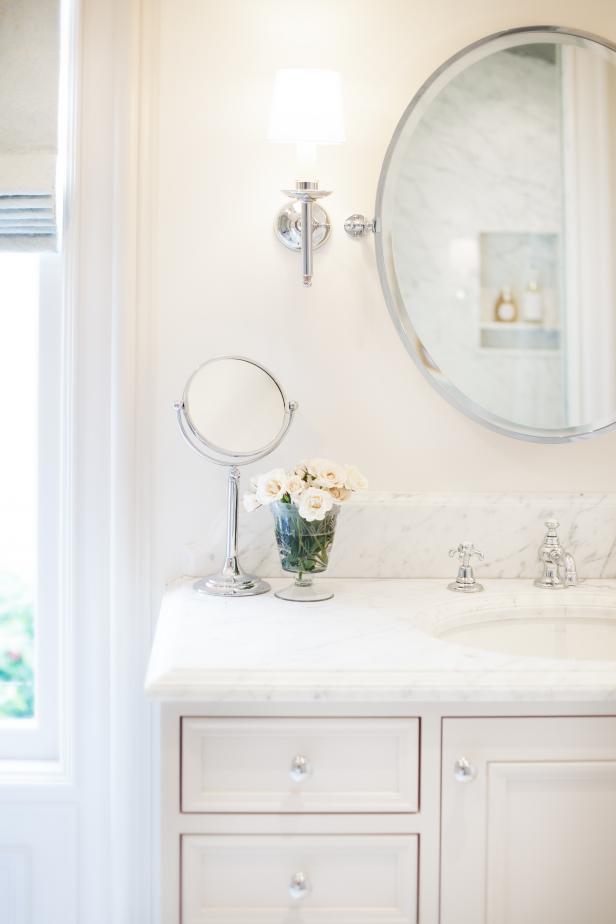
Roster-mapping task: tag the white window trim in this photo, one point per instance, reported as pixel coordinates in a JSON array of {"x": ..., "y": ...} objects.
[
  {"x": 39, "y": 750},
  {"x": 107, "y": 765}
]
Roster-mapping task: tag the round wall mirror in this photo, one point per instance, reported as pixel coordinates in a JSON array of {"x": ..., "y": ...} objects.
[
  {"x": 496, "y": 214},
  {"x": 233, "y": 412}
]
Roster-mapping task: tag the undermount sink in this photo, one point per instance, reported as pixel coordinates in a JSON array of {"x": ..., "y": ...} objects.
[{"x": 571, "y": 631}]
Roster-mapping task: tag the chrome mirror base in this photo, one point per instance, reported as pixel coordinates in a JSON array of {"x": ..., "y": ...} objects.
[{"x": 231, "y": 582}]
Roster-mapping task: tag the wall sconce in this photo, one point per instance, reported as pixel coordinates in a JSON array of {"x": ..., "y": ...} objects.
[{"x": 306, "y": 111}]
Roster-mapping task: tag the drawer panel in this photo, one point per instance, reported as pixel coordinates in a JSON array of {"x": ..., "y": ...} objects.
[
  {"x": 300, "y": 765},
  {"x": 368, "y": 879}
]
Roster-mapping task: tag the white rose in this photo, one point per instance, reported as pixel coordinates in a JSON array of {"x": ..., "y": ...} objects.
[
  {"x": 251, "y": 503},
  {"x": 330, "y": 474},
  {"x": 295, "y": 485},
  {"x": 271, "y": 486},
  {"x": 339, "y": 494},
  {"x": 313, "y": 465},
  {"x": 301, "y": 470},
  {"x": 354, "y": 479},
  {"x": 314, "y": 504}
]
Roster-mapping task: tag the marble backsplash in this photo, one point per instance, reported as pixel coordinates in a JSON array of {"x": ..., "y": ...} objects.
[{"x": 390, "y": 535}]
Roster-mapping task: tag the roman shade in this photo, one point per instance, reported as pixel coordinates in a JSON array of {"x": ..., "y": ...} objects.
[{"x": 29, "y": 83}]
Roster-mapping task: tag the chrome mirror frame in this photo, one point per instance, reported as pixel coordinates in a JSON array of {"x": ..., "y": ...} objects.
[
  {"x": 393, "y": 298},
  {"x": 231, "y": 580}
]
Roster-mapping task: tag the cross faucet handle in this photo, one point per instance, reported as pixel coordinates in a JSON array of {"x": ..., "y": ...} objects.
[{"x": 465, "y": 551}]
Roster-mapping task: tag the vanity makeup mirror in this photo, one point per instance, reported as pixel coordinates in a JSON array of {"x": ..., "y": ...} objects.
[
  {"x": 233, "y": 412},
  {"x": 496, "y": 232}
]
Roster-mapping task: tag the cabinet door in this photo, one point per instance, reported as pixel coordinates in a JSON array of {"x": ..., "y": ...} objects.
[{"x": 528, "y": 828}]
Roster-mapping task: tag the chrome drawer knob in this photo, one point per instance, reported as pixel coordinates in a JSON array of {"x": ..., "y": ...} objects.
[
  {"x": 299, "y": 886},
  {"x": 464, "y": 771},
  {"x": 300, "y": 768}
]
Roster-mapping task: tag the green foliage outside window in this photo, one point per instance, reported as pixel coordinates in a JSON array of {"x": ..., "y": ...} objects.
[{"x": 16, "y": 650}]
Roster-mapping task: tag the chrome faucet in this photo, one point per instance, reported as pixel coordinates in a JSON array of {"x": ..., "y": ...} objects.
[
  {"x": 558, "y": 566},
  {"x": 465, "y": 581}
]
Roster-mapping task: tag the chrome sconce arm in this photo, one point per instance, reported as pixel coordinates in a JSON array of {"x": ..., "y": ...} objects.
[{"x": 303, "y": 224}]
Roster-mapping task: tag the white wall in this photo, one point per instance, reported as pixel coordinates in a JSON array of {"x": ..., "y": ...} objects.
[{"x": 223, "y": 284}]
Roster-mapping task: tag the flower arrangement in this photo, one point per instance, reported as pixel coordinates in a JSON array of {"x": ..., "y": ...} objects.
[
  {"x": 313, "y": 487},
  {"x": 305, "y": 504}
]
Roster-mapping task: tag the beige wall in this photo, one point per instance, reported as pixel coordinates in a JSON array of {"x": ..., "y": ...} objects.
[{"x": 223, "y": 284}]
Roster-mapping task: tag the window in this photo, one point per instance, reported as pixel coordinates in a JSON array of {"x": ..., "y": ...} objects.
[
  {"x": 30, "y": 501},
  {"x": 19, "y": 304},
  {"x": 31, "y": 418}
]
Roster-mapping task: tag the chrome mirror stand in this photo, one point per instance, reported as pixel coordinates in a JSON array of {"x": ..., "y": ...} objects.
[{"x": 231, "y": 580}]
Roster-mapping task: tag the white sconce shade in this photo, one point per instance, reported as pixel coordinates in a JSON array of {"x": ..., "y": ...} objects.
[{"x": 307, "y": 107}]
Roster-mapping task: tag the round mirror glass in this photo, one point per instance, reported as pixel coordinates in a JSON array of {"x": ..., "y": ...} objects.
[
  {"x": 235, "y": 406},
  {"x": 496, "y": 219}
]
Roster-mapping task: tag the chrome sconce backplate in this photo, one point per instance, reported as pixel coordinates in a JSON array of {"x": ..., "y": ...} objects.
[{"x": 288, "y": 226}]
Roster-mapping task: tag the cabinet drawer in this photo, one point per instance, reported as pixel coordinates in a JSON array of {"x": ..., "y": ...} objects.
[
  {"x": 369, "y": 879},
  {"x": 300, "y": 765}
]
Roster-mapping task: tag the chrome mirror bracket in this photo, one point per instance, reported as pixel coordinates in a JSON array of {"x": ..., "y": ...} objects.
[{"x": 357, "y": 225}]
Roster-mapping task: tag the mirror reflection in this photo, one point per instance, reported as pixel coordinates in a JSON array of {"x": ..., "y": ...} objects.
[
  {"x": 235, "y": 405},
  {"x": 498, "y": 227}
]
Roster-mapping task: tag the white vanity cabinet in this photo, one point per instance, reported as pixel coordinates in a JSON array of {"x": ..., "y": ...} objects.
[
  {"x": 528, "y": 827},
  {"x": 335, "y": 765}
]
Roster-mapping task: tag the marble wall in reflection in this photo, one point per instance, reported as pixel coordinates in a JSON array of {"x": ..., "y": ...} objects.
[{"x": 485, "y": 162}]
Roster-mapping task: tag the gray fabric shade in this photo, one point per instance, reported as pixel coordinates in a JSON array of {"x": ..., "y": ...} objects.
[{"x": 29, "y": 81}]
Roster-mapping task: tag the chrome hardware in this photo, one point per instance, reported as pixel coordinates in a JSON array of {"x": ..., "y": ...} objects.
[
  {"x": 571, "y": 578},
  {"x": 231, "y": 580},
  {"x": 303, "y": 212},
  {"x": 465, "y": 581},
  {"x": 300, "y": 768},
  {"x": 299, "y": 887},
  {"x": 464, "y": 771},
  {"x": 558, "y": 566},
  {"x": 357, "y": 225}
]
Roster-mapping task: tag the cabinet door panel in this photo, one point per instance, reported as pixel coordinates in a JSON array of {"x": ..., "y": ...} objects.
[{"x": 530, "y": 836}]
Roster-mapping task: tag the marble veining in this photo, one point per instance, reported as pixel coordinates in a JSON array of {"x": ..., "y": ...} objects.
[
  {"x": 371, "y": 642},
  {"x": 384, "y": 534},
  {"x": 483, "y": 162}
]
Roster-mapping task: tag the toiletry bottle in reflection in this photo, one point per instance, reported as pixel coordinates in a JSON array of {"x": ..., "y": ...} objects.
[
  {"x": 532, "y": 302},
  {"x": 505, "y": 308}
]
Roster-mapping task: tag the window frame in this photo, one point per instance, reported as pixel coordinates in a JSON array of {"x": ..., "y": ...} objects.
[{"x": 38, "y": 749}]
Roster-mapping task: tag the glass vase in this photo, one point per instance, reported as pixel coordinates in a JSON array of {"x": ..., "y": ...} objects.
[{"x": 304, "y": 547}]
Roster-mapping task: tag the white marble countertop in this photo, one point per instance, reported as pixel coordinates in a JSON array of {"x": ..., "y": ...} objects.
[{"x": 371, "y": 642}]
